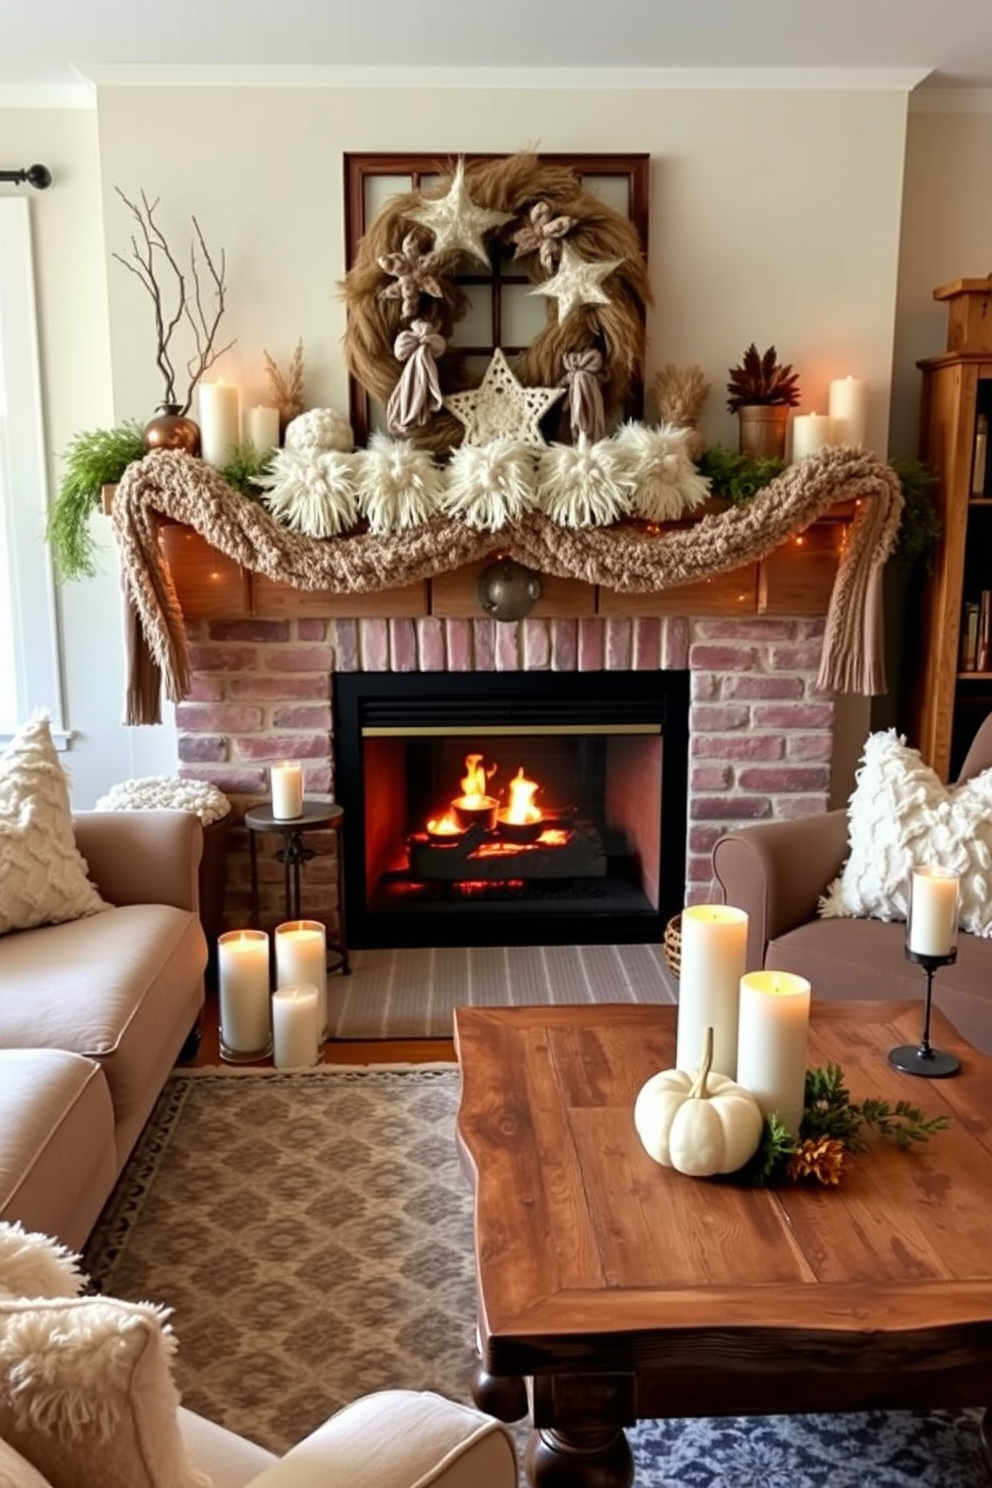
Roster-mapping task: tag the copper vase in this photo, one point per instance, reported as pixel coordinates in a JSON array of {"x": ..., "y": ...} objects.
[
  {"x": 761, "y": 429},
  {"x": 171, "y": 429}
]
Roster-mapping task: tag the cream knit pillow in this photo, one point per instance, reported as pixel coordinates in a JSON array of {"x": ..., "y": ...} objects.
[
  {"x": 42, "y": 873},
  {"x": 34, "y": 1265},
  {"x": 87, "y": 1393},
  {"x": 901, "y": 816}
]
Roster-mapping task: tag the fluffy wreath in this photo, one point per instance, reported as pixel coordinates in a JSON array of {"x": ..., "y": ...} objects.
[{"x": 517, "y": 185}]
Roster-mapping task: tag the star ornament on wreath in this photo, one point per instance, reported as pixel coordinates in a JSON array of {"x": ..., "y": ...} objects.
[
  {"x": 575, "y": 250},
  {"x": 501, "y": 407}
]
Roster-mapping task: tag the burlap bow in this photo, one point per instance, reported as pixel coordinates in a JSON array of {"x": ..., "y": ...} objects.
[
  {"x": 418, "y": 393},
  {"x": 583, "y": 374}
]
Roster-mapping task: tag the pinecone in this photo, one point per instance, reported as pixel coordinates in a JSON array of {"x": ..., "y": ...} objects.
[
  {"x": 819, "y": 1158},
  {"x": 760, "y": 379}
]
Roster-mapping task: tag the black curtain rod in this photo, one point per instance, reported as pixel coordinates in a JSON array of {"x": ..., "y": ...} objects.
[{"x": 35, "y": 175}]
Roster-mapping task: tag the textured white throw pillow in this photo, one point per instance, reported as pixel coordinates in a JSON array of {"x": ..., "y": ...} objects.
[
  {"x": 42, "y": 873},
  {"x": 87, "y": 1393},
  {"x": 34, "y": 1265},
  {"x": 901, "y": 816}
]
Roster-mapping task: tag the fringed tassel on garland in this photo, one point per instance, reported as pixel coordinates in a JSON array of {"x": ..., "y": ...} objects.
[
  {"x": 658, "y": 464},
  {"x": 312, "y": 492},
  {"x": 490, "y": 485},
  {"x": 584, "y": 485},
  {"x": 399, "y": 486}
]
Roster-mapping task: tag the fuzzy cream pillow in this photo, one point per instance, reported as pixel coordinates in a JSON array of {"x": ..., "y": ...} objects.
[
  {"x": 42, "y": 873},
  {"x": 87, "y": 1393},
  {"x": 34, "y": 1265},
  {"x": 901, "y": 816}
]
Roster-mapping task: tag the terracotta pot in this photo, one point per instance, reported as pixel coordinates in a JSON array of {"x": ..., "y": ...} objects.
[
  {"x": 761, "y": 430},
  {"x": 171, "y": 429}
]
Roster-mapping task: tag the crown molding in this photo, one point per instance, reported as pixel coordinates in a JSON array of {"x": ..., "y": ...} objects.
[
  {"x": 76, "y": 92},
  {"x": 655, "y": 79},
  {"x": 951, "y": 101}
]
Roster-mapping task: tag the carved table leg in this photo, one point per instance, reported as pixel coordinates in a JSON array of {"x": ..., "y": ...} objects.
[
  {"x": 985, "y": 1433},
  {"x": 579, "y": 1459},
  {"x": 501, "y": 1395}
]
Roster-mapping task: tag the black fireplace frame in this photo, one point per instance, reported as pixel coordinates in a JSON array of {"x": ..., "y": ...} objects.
[{"x": 365, "y": 699}]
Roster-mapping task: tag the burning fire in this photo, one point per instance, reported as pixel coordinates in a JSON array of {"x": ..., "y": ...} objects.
[
  {"x": 474, "y": 794},
  {"x": 521, "y": 811},
  {"x": 444, "y": 826}
]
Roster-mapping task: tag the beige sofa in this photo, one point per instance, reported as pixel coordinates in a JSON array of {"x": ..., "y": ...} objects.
[
  {"x": 776, "y": 871},
  {"x": 93, "y": 1014}
]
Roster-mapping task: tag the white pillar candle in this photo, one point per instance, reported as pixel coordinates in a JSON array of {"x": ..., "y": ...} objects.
[
  {"x": 811, "y": 432},
  {"x": 243, "y": 993},
  {"x": 932, "y": 926},
  {"x": 287, "y": 791},
  {"x": 301, "y": 958},
  {"x": 771, "y": 1049},
  {"x": 220, "y": 421},
  {"x": 711, "y": 964},
  {"x": 849, "y": 409},
  {"x": 295, "y": 1035},
  {"x": 262, "y": 429}
]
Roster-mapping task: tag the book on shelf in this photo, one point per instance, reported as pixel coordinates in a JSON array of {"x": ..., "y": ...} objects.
[
  {"x": 983, "y": 650},
  {"x": 969, "y": 637}
]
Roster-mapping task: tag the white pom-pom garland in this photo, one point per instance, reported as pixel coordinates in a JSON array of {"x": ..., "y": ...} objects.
[
  {"x": 490, "y": 484},
  {"x": 659, "y": 470},
  {"x": 399, "y": 486},
  {"x": 312, "y": 491},
  {"x": 320, "y": 429},
  {"x": 584, "y": 485}
]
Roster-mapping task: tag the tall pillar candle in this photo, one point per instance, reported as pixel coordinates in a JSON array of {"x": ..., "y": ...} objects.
[
  {"x": 849, "y": 409},
  {"x": 711, "y": 964},
  {"x": 811, "y": 432},
  {"x": 287, "y": 791},
  {"x": 220, "y": 421},
  {"x": 295, "y": 1035},
  {"x": 771, "y": 1049},
  {"x": 932, "y": 924},
  {"x": 262, "y": 429},
  {"x": 301, "y": 958},
  {"x": 243, "y": 994}
]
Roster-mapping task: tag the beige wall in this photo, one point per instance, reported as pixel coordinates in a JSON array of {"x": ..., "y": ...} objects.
[{"x": 775, "y": 217}]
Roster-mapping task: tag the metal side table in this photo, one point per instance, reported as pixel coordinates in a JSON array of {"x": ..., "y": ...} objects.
[{"x": 316, "y": 816}]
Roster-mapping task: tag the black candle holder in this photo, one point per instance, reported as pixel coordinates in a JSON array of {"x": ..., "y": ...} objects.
[{"x": 934, "y": 1064}]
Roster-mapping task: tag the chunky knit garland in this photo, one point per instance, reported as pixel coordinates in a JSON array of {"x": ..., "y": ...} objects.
[{"x": 624, "y": 557}]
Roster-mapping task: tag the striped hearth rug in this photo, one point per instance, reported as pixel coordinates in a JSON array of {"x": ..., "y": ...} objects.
[{"x": 397, "y": 994}]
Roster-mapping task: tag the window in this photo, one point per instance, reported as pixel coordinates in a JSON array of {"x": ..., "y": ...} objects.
[
  {"x": 501, "y": 312},
  {"x": 29, "y": 657}
]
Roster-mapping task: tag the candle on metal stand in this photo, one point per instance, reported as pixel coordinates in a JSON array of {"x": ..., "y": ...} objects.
[
  {"x": 287, "y": 791},
  {"x": 771, "y": 1049},
  {"x": 711, "y": 964},
  {"x": 932, "y": 924}
]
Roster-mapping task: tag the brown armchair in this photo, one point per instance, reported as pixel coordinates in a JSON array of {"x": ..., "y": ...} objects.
[{"x": 776, "y": 871}]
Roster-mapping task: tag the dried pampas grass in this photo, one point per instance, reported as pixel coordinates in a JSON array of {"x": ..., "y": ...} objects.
[
  {"x": 680, "y": 394},
  {"x": 490, "y": 485},
  {"x": 662, "y": 478},
  {"x": 583, "y": 486},
  {"x": 399, "y": 487},
  {"x": 312, "y": 491},
  {"x": 287, "y": 390}
]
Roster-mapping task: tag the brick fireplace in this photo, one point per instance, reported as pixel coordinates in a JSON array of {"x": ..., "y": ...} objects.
[{"x": 760, "y": 734}]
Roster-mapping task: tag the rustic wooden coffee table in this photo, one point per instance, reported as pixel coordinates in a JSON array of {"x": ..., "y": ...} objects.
[{"x": 621, "y": 1290}]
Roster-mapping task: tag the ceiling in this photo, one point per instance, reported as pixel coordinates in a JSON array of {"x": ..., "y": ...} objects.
[{"x": 46, "y": 44}]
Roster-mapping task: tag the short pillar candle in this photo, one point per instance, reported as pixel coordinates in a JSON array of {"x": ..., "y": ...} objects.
[
  {"x": 771, "y": 1049},
  {"x": 301, "y": 959},
  {"x": 932, "y": 924},
  {"x": 295, "y": 1035},
  {"x": 262, "y": 429},
  {"x": 811, "y": 432},
  {"x": 287, "y": 791},
  {"x": 243, "y": 995},
  {"x": 711, "y": 963}
]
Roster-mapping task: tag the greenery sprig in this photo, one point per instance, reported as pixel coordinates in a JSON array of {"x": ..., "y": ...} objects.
[
  {"x": 92, "y": 460},
  {"x": 833, "y": 1127}
]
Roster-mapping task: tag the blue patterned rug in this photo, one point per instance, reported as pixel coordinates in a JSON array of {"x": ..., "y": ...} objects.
[{"x": 313, "y": 1234}]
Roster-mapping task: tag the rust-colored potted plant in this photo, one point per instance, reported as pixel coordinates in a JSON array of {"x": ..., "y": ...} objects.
[{"x": 762, "y": 391}]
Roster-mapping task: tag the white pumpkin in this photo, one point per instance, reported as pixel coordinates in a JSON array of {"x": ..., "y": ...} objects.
[{"x": 698, "y": 1123}]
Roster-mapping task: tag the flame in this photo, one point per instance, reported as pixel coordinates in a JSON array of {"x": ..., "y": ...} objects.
[
  {"x": 521, "y": 810},
  {"x": 474, "y": 794},
  {"x": 444, "y": 826}
]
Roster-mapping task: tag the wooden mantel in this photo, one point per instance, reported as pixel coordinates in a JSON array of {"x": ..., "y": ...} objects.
[{"x": 796, "y": 579}]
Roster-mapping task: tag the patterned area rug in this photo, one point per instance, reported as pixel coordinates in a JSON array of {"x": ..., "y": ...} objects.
[
  {"x": 313, "y": 1234},
  {"x": 411, "y": 993}
]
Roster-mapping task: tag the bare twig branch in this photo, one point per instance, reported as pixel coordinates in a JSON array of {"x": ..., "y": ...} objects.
[{"x": 147, "y": 249}]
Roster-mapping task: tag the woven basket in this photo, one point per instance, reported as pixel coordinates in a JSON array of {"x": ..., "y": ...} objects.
[{"x": 672, "y": 944}]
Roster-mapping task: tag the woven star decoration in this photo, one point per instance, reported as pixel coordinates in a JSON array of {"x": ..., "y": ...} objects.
[
  {"x": 542, "y": 234},
  {"x": 501, "y": 407},
  {"x": 577, "y": 282},
  {"x": 455, "y": 220},
  {"x": 414, "y": 274}
]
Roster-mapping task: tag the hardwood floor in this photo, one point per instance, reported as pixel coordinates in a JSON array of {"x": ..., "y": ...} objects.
[{"x": 336, "y": 1051}]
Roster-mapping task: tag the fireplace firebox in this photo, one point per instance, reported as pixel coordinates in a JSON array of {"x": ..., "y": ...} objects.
[{"x": 521, "y": 808}]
